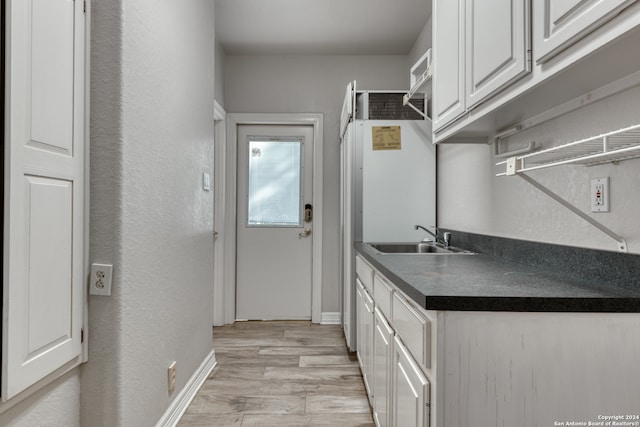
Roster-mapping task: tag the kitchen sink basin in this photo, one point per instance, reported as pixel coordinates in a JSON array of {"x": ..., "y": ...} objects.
[{"x": 421, "y": 248}]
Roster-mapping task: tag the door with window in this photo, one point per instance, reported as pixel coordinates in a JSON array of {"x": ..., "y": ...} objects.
[{"x": 274, "y": 222}]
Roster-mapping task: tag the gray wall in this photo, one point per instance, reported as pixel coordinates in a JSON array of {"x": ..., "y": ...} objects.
[
  {"x": 312, "y": 84},
  {"x": 58, "y": 404},
  {"x": 471, "y": 198},
  {"x": 152, "y": 135}
]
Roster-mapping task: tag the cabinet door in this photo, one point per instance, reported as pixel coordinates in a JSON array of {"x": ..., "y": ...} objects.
[
  {"x": 448, "y": 61},
  {"x": 367, "y": 343},
  {"x": 411, "y": 402},
  {"x": 364, "y": 320},
  {"x": 559, "y": 23},
  {"x": 382, "y": 357},
  {"x": 497, "y": 46},
  {"x": 44, "y": 281},
  {"x": 360, "y": 322}
]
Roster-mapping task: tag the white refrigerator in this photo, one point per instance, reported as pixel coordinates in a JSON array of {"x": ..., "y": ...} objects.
[{"x": 388, "y": 180}]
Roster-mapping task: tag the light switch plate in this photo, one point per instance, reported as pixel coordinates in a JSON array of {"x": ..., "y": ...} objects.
[{"x": 206, "y": 181}]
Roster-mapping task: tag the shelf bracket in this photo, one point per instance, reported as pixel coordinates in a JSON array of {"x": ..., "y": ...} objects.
[
  {"x": 416, "y": 109},
  {"x": 525, "y": 150},
  {"x": 497, "y": 139},
  {"x": 622, "y": 243}
]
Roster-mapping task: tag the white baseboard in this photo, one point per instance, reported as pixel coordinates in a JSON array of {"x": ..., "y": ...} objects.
[
  {"x": 180, "y": 404},
  {"x": 331, "y": 318}
]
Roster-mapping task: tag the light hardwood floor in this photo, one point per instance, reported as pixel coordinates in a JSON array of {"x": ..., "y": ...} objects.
[{"x": 281, "y": 374}]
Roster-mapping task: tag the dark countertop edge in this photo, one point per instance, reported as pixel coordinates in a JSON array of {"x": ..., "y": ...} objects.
[
  {"x": 513, "y": 304},
  {"x": 593, "y": 267}
]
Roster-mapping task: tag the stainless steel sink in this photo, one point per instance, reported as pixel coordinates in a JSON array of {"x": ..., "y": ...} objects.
[{"x": 421, "y": 248}]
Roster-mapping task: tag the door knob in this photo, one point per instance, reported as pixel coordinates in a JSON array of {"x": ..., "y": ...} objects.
[
  {"x": 305, "y": 233},
  {"x": 215, "y": 233}
]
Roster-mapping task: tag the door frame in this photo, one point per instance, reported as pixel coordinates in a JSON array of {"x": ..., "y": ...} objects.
[
  {"x": 229, "y": 242},
  {"x": 219, "y": 186}
]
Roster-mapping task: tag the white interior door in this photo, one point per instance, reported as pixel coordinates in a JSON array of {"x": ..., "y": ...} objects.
[{"x": 274, "y": 234}]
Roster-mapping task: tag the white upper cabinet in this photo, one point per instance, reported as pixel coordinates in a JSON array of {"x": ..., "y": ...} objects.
[
  {"x": 479, "y": 49},
  {"x": 560, "y": 23},
  {"x": 497, "y": 46},
  {"x": 448, "y": 62},
  {"x": 498, "y": 64},
  {"x": 44, "y": 281}
]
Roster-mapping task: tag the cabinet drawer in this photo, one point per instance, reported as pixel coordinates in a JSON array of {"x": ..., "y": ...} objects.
[
  {"x": 382, "y": 293},
  {"x": 413, "y": 328},
  {"x": 365, "y": 273}
]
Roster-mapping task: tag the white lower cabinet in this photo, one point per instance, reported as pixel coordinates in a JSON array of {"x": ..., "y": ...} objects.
[
  {"x": 426, "y": 368},
  {"x": 382, "y": 357},
  {"x": 410, "y": 399},
  {"x": 397, "y": 387}
]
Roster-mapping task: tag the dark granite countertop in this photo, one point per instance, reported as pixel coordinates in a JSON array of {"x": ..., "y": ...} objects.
[{"x": 486, "y": 283}]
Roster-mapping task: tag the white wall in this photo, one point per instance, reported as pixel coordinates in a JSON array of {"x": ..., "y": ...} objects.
[
  {"x": 152, "y": 137},
  {"x": 510, "y": 207},
  {"x": 312, "y": 84}
]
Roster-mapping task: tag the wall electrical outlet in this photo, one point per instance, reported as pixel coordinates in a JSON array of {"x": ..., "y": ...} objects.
[
  {"x": 171, "y": 383},
  {"x": 100, "y": 280},
  {"x": 600, "y": 195}
]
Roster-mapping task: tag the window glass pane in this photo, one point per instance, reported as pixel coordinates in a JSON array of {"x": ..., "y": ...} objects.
[{"x": 274, "y": 183}]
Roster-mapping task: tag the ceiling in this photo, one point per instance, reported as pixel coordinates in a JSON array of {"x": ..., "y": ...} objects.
[{"x": 320, "y": 27}]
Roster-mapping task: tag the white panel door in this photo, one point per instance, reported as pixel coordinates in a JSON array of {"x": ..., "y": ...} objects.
[
  {"x": 448, "y": 61},
  {"x": 497, "y": 46},
  {"x": 274, "y": 239},
  {"x": 43, "y": 257},
  {"x": 559, "y": 23}
]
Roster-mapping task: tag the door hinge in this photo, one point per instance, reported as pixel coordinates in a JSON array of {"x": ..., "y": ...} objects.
[{"x": 81, "y": 335}]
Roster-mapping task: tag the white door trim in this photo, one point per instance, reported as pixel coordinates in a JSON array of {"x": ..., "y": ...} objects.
[
  {"x": 229, "y": 244},
  {"x": 219, "y": 186}
]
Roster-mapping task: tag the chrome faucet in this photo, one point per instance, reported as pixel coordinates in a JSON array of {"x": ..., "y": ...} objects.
[
  {"x": 446, "y": 240},
  {"x": 435, "y": 235}
]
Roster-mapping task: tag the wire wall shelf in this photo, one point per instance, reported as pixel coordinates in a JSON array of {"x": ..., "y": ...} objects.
[{"x": 613, "y": 146}]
